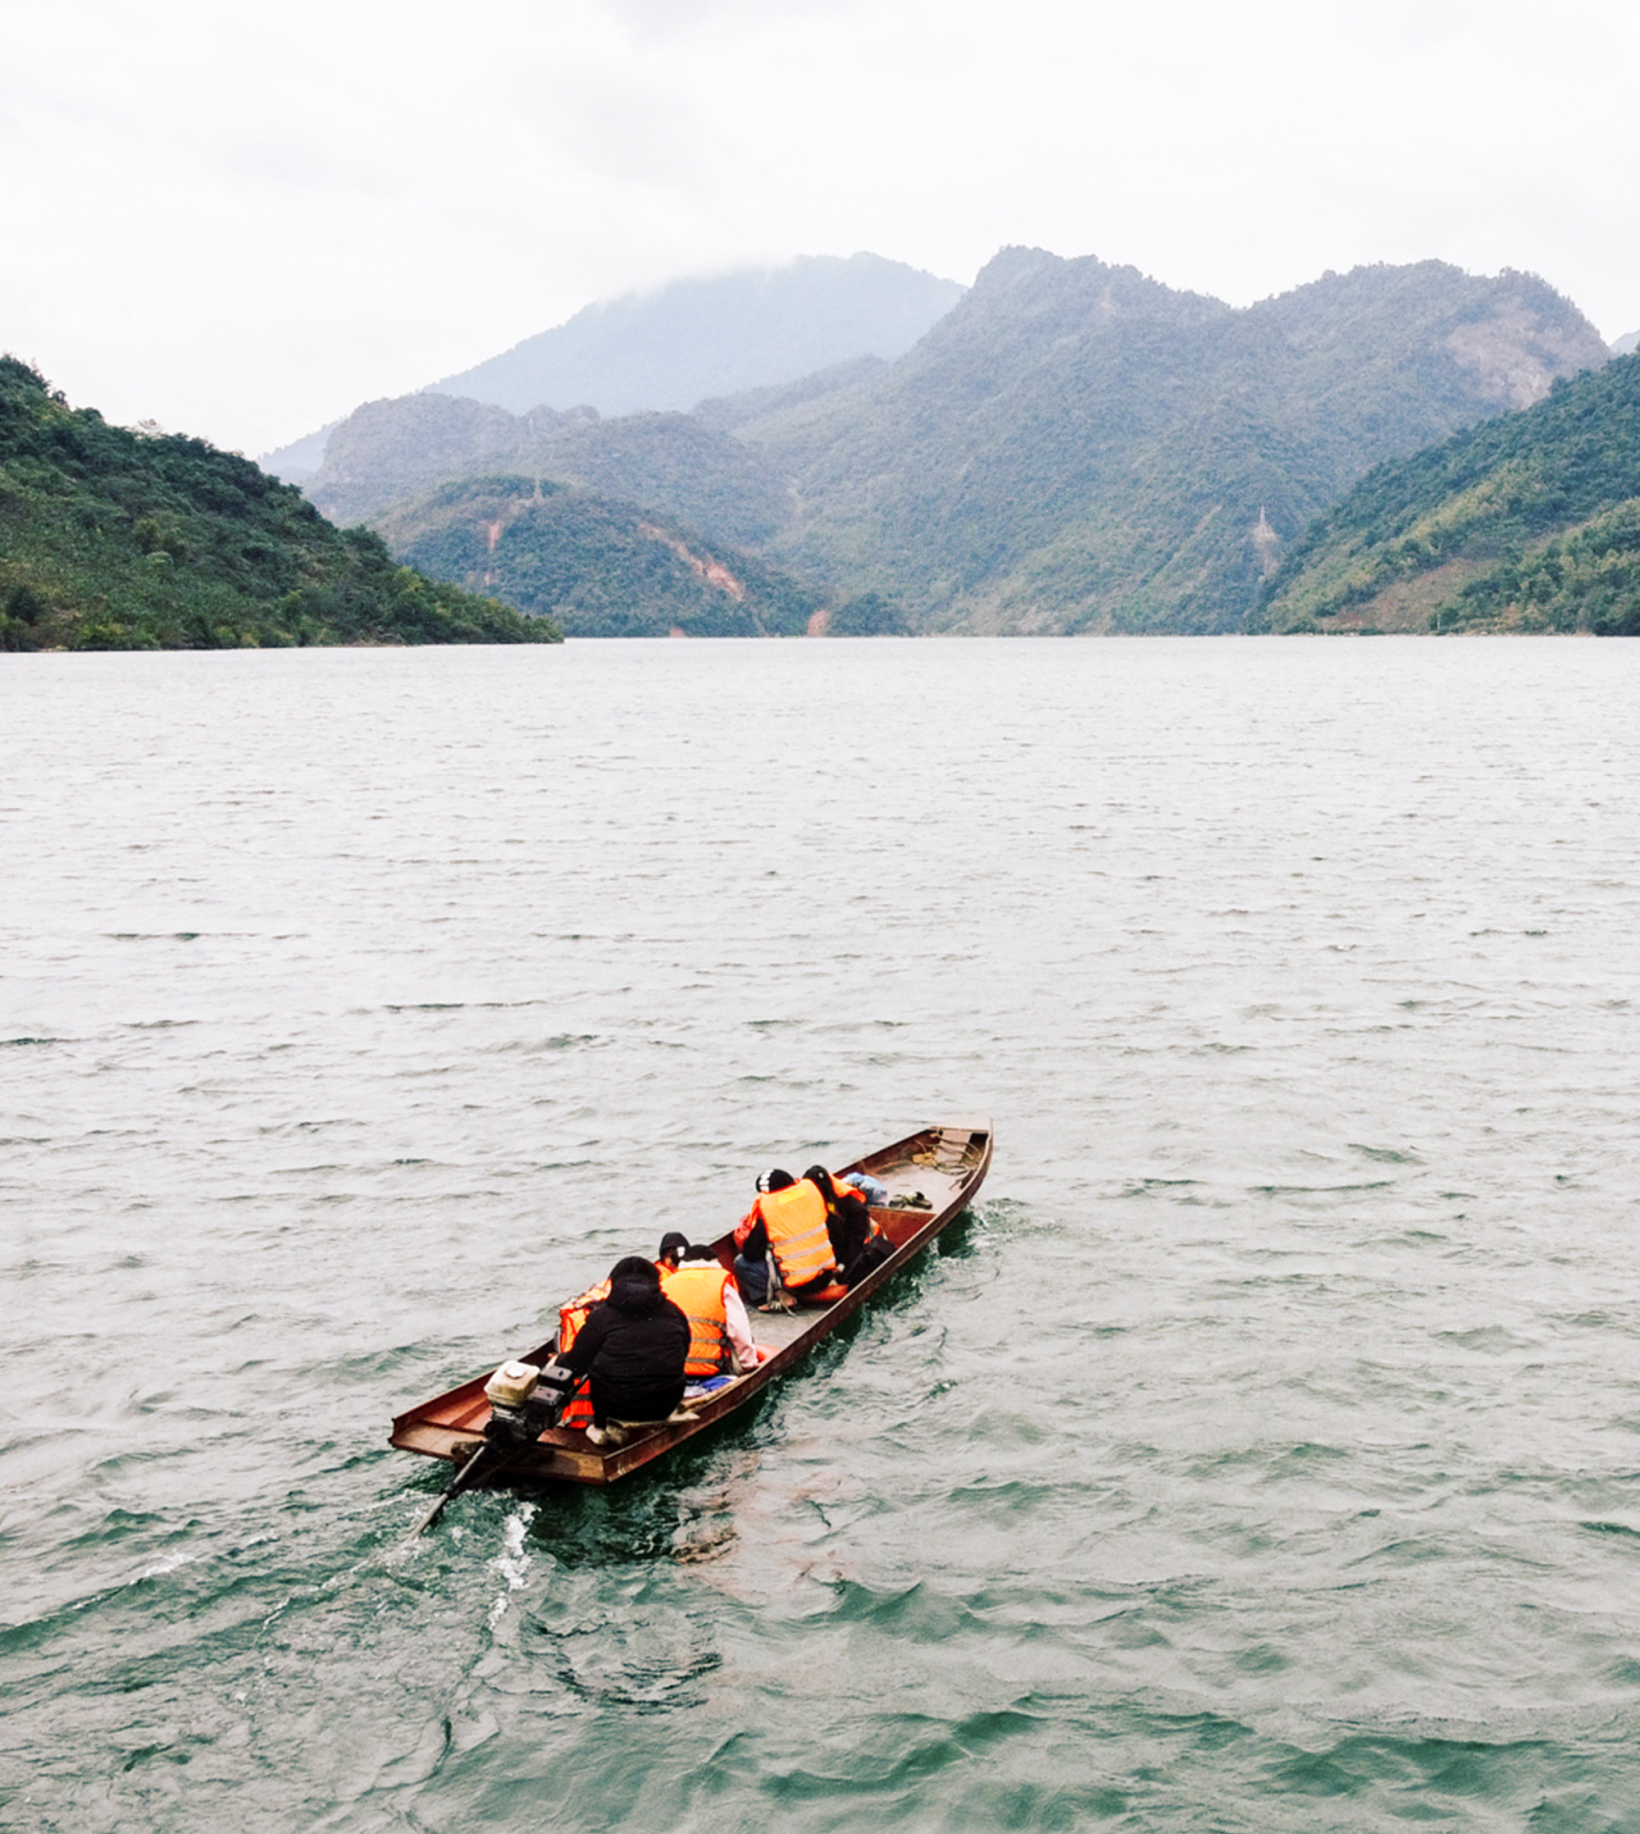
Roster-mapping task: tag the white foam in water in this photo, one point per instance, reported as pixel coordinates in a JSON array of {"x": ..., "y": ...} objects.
[
  {"x": 168, "y": 1565},
  {"x": 513, "y": 1564}
]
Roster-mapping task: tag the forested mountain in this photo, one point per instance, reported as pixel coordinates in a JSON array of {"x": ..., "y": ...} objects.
[
  {"x": 1078, "y": 448},
  {"x": 389, "y": 451},
  {"x": 1530, "y": 522},
  {"x": 599, "y": 568},
  {"x": 1074, "y": 447},
  {"x": 676, "y": 346},
  {"x": 113, "y": 540},
  {"x": 815, "y": 323}
]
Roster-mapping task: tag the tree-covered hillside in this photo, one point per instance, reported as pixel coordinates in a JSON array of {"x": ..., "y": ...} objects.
[
  {"x": 1078, "y": 448},
  {"x": 113, "y": 540},
  {"x": 599, "y": 568},
  {"x": 1530, "y": 522},
  {"x": 390, "y": 452},
  {"x": 726, "y": 413}
]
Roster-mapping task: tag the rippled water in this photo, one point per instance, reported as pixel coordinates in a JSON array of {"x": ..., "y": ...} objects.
[{"x": 1264, "y": 1452}]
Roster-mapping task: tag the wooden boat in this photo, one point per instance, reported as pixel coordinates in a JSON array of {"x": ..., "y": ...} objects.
[{"x": 944, "y": 1164}]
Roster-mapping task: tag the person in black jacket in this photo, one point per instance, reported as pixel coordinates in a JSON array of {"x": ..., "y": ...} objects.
[{"x": 633, "y": 1345}]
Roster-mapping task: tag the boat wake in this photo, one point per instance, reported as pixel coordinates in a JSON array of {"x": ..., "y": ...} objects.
[{"x": 512, "y": 1563}]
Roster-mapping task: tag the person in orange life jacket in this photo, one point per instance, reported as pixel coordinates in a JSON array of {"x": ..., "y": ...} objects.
[
  {"x": 573, "y": 1313},
  {"x": 633, "y": 1346},
  {"x": 695, "y": 1279},
  {"x": 787, "y": 1224},
  {"x": 577, "y": 1411},
  {"x": 857, "y": 1244}
]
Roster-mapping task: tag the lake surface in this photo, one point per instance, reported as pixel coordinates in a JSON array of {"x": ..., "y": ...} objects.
[{"x": 1263, "y": 1453}]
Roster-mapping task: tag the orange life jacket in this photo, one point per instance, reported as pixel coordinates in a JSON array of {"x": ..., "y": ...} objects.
[
  {"x": 796, "y": 1223},
  {"x": 571, "y": 1316},
  {"x": 697, "y": 1290}
]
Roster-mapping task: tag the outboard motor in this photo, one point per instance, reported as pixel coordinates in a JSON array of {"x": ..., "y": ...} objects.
[{"x": 525, "y": 1401}]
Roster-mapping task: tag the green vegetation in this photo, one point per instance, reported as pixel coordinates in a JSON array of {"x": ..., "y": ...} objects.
[
  {"x": 1529, "y": 522},
  {"x": 599, "y": 568},
  {"x": 113, "y": 540},
  {"x": 727, "y": 412},
  {"x": 870, "y": 615}
]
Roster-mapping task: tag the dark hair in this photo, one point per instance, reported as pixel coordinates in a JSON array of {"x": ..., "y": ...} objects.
[
  {"x": 673, "y": 1246},
  {"x": 635, "y": 1267},
  {"x": 776, "y": 1180},
  {"x": 820, "y": 1178},
  {"x": 698, "y": 1251}
]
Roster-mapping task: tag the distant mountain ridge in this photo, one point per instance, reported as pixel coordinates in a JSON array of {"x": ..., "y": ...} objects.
[
  {"x": 679, "y": 345},
  {"x": 684, "y": 343}
]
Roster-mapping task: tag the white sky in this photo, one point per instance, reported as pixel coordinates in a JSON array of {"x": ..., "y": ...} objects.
[{"x": 243, "y": 220}]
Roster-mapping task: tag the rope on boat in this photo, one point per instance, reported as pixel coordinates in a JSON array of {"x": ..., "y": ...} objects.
[{"x": 965, "y": 1161}]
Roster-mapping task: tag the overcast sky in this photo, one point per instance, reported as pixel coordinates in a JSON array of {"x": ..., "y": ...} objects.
[{"x": 243, "y": 220}]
